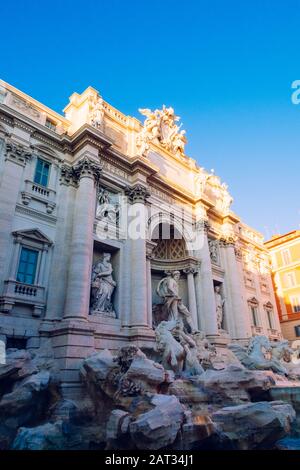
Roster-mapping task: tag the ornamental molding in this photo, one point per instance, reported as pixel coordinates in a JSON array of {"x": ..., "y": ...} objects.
[
  {"x": 22, "y": 125},
  {"x": 252, "y": 301},
  {"x": 268, "y": 306},
  {"x": 24, "y": 106},
  {"x": 9, "y": 121},
  {"x": 50, "y": 142},
  {"x": 67, "y": 175},
  {"x": 35, "y": 214},
  {"x": 17, "y": 153},
  {"x": 34, "y": 234},
  {"x": 137, "y": 193}
]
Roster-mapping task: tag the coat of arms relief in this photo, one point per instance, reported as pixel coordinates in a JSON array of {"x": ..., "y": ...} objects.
[{"x": 160, "y": 128}]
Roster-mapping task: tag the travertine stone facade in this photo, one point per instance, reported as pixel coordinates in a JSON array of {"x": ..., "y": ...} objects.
[{"x": 95, "y": 181}]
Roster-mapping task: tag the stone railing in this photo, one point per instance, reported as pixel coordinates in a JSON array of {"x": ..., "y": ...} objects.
[
  {"x": 19, "y": 292},
  {"x": 38, "y": 192},
  {"x": 115, "y": 113}
]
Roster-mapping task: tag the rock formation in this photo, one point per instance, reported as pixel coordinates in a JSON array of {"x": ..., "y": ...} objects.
[{"x": 132, "y": 402}]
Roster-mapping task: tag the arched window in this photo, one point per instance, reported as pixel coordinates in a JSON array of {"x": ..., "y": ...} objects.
[{"x": 170, "y": 243}]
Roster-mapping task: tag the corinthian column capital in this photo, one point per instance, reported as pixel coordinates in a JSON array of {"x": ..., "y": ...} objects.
[
  {"x": 87, "y": 168},
  {"x": 228, "y": 240},
  {"x": 190, "y": 270},
  {"x": 137, "y": 193}
]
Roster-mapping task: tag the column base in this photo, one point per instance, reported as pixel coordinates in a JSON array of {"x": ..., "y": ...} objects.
[
  {"x": 221, "y": 340},
  {"x": 141, "y": 335}
]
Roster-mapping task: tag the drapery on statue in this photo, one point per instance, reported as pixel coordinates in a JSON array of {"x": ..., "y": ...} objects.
[
  {"x": 102, "y": 288},
  {"x": 219, "y": 306},
  {"x": 167, "y": 289},
  {"x": 97, "y": 112}
]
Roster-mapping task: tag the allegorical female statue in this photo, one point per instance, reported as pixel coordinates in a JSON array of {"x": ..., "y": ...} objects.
[
  {"x": 102, "y": 288},
  {"x": 219, "y": 306}
]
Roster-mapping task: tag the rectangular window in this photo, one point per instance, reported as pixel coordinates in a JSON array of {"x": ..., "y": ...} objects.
[
  {"x": 297, "y": 331},
  {"x": 42, "y": 172},
  {"x": 50, "y": 124},
  {"x": 295, "y": 303},
  {"x": 254, "y": 316},
  {"x": 270, "y": 318},
  {"x": 16, "y": 343},
  {"x": 286, "y": 257},
  {"x": 27, "y": 266},
  {"x": 290, "y": 279}
]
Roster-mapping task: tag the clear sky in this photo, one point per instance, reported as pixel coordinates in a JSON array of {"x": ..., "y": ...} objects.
[{"x": 225, "y": 66}]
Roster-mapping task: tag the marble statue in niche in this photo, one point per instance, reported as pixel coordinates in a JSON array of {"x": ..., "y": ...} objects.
[
  {"x": 173, "y": 306},
  {"x": 102, "y": 288},
  {"x": 219, "y": 307}
]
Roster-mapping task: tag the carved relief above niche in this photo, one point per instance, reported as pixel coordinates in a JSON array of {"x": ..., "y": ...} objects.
[{"x": 214, "y": 251}]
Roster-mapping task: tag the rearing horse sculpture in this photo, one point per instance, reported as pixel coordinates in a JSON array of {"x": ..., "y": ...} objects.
[{"x": 254, "y": 357}]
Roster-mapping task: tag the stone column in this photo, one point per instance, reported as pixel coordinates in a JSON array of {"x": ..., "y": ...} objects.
[
  {"x": 200, "y": 320},
  {"x": 61, "y": 251},
  {"x": 16, "y": 157},
  {"x": 192, "y": 295},
  {"x": 239, "y": 314},
  {"x": 149, "y": 249},
  {"x": 137, "y": 196},
  {"x": 79, "y": 276},
  {"x": 207, "y": 287}
]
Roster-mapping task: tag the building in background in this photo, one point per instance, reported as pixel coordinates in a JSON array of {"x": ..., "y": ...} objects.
[
  {"x": 70, "y": 270},
  {"x": 285, "y": 256}
]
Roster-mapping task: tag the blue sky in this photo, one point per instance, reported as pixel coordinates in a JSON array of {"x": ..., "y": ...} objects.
[{"x": 225, "y": 66}]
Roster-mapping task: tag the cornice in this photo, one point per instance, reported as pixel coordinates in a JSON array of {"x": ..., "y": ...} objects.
[
  {"x": 4, "y": 118},
  {"x": 36, "y": 214}
]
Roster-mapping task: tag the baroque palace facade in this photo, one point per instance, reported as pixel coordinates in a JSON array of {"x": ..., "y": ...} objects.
[{"x": 99, "y": 216}]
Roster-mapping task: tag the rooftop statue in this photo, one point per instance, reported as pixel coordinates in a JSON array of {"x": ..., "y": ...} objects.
[
  {"x": 160, "y": 128},
  {"x": 96, "y": 114}
]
